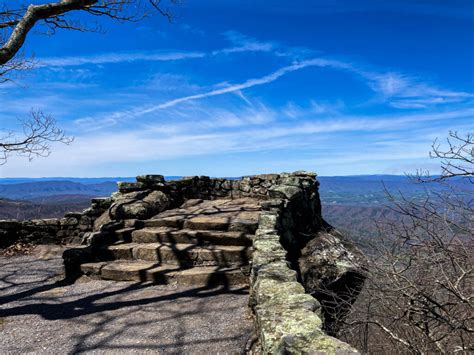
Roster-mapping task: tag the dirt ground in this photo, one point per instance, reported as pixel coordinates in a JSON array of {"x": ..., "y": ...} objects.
[{"x": 39, "y": 314}]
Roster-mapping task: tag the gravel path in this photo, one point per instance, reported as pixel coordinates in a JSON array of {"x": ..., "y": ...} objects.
[{"x": 40, "y": 315}]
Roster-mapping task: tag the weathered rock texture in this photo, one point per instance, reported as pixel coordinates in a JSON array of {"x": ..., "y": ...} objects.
[
  {"x": 265, "y": 230},
  {"x": 289, "y": 320},
  {"x": 333, "y": 271},
  {"x": 202, "y": 242}
]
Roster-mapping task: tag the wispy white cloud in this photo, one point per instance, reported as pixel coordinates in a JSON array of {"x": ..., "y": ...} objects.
[
  {"x": 404, "y": 91},
  {"x": 171, "y": 117},
  {"x": 243, "y": 43},
  {"x": 350, "y": 123},
  {"x": 90, "y": 124},
  {"x": 254, "y": 114},
  {"x": 137, "y": 112},
  {"x": 193, "y": 116},
  {"x": 169, "y": 82},
  {"x": 117, "y": 58},
  {"x": 248, "y": 132},
  {"x": 315, "y": 109},
  {"x": 399, "y": 90},
  {"x": 244, "y": 98},
  {"x": 240, "y": 44},
  {"x": 238, "y": 87}
]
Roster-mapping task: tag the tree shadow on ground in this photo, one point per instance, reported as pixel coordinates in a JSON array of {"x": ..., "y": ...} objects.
[{"x": 105, "y": 310}]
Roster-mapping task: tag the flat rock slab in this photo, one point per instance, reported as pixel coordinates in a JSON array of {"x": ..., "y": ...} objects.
[
  {"x": 239, "y": 215},
  {"x": 190, "y": 236},
  {"x": 201, "y": 276},
  {"x": 212, "y": 223},
  {"x": 180, "y": 254},
  {"x": 40, "y": 316},
  {"x": 247, "y": 207}
]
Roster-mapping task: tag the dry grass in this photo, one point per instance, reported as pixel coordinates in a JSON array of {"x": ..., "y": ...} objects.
[{"x": 18, "y": 248}]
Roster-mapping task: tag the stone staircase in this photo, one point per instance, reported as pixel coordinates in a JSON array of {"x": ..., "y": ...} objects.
[{"x": 201, "y": 243}]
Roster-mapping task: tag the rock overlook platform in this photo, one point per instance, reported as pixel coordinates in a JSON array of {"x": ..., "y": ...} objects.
[{"x": 264, "y": 232}]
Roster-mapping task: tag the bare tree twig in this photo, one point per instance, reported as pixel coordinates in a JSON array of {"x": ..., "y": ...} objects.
[
  {"x": 419, "y": 294},
  {"x": 39, "y": 131},
  {"x": 16, "y": 23}
]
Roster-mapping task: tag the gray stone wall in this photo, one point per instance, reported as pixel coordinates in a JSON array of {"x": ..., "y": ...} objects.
[
  {"x": 146, "y": 197},
  {"x": 69, "y": 229},
  {"x": 287, "y": 319},
  {"x": 206, "y": 188}
]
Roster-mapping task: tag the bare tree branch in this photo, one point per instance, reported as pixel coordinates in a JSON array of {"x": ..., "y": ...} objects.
[
  {"x": 15, "y": 25},
  {"x": 419, "y": 294},
  {"x": 456, "y": 158},
  {"x": 19, "y": 22},
  {"x": 39, "y": 131}
]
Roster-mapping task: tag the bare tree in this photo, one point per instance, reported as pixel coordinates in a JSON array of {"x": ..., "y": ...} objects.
[
  {"x": 419, "y": 295},
  {"x": 40, "y": 129},
  {"x": 457, "y": 159},
  {"x": 18, "y": 22}
]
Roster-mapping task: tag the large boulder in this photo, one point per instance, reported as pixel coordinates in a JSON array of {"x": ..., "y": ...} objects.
[
  {"x": 103, "y": 219},
  {"x": 139, "y": 206},
  {"x": 333, "y": 271}
]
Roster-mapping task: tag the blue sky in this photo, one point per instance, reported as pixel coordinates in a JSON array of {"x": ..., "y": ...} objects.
[{"x": 243, "y": 87}]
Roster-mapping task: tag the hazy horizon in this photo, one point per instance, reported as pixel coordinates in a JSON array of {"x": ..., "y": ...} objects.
[{"x": 177, "y": 176}]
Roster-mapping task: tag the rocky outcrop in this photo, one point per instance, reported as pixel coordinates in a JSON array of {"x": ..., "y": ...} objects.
[
  {"x": 139, "y": 204},
  {"x": 333, "y": 271},
  {"x": 300, "y": 268},
  {"x": 287, "y": 319}
]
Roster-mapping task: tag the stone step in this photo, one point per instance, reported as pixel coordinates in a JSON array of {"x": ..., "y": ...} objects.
[
  {"x": 244, "y": 225},
  {"x": 222, "y": 224},
  {"x": 202, "y": 276},
  {"x": 209, "y": 223},
  {"x": 172, "y": 221},
  {"x": 201, "y": 237},
  {"x": 124, "y": 234},
  {"x": 179, "y": 254}
]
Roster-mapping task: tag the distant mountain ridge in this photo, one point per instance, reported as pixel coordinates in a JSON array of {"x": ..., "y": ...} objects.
[
  {"x": 32, "y": 190},
  {"x": 349, "y": 202},
  {"x": 94, "y": 180},
  {"x": 349, "y": 190},
  {"x": 43, "y": 207}
]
